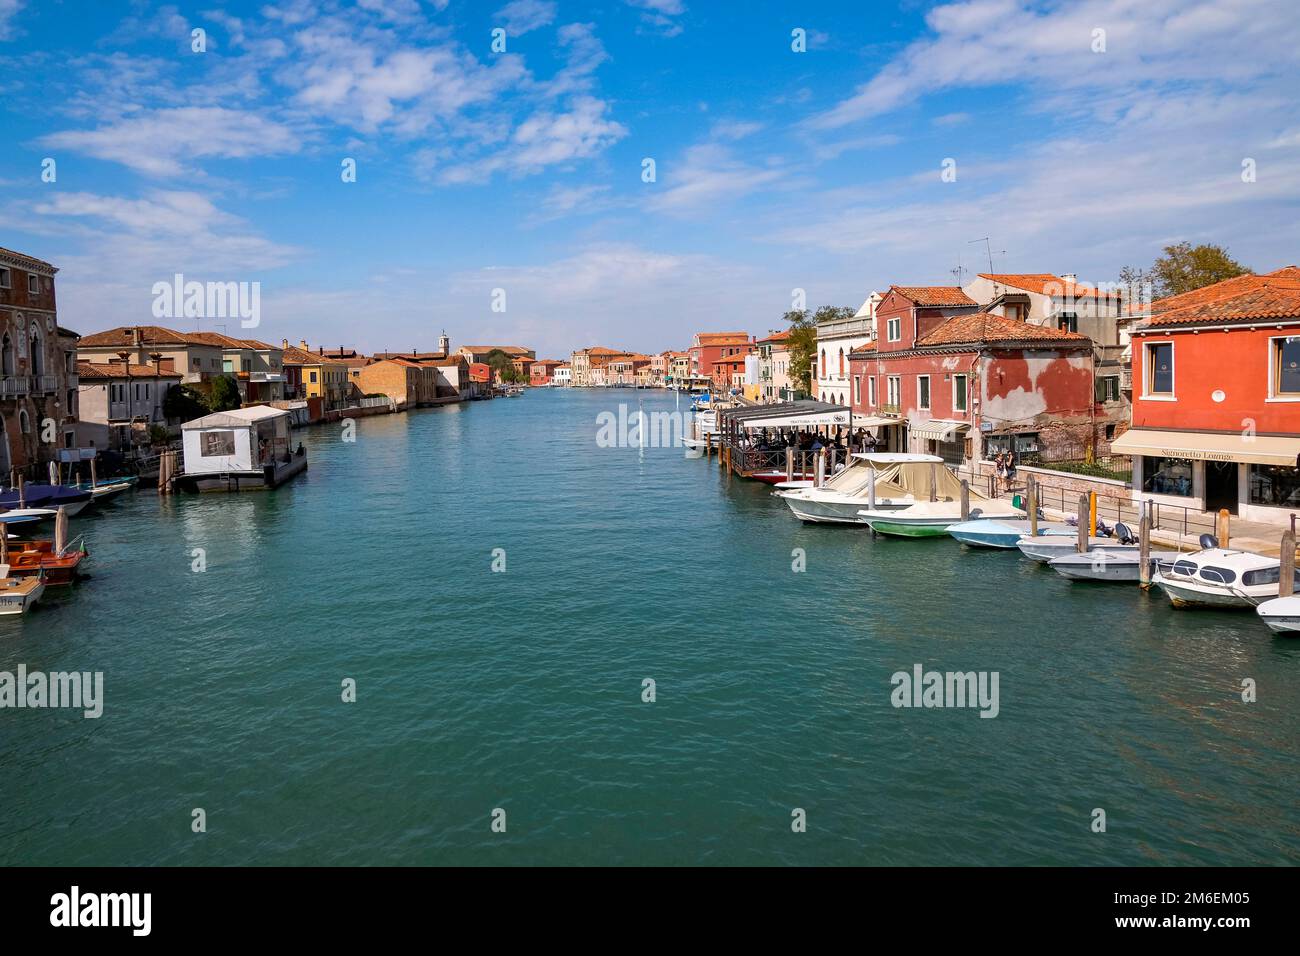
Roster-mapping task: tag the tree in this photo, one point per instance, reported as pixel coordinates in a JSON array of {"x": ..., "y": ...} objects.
[
  {"x": 803, "y": 340},
  {"x": 224, "y": 395},
  {"x": 183, "y": 404},
  {"x": 502, "y": 365},
  {"x": 1183, "y": 268}
]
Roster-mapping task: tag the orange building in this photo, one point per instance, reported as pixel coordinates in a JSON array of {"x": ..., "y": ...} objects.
[{"x": 1216, "y": 398}]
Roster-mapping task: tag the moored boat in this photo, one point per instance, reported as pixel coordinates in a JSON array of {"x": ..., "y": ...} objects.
[
  {"x": 1046, "y": 547},
  {"x": 17, "y": 595},
  {"x": 887, "y": 481},
  {"x": 932, "y": 519},
  {"x": 26, "y": 517},
  {"x": 47, "y": 496},
  {"x": 40, "y": 559},
  {"x": 1281, "y": 614},
  {"x": 1220, "y": 578},
  {"x": 1003, "y": 532},
  {"x": 1106, "y": 564}
]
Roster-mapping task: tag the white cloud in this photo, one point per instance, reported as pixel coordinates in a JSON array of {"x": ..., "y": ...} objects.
[
  {"x": 161, "y": 142},
  {"x": 524, "y": 16},
  {"x": 659, "y": 14},
  {"x": 709, "y": 174},
  {"x": 8, "y": 10}
]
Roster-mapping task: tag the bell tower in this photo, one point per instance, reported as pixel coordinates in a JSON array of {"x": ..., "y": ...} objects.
[{"x": 444, "y": 343}]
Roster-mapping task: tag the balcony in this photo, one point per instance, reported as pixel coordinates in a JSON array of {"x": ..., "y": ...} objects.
[
  {"x": 891, "y": 409},
  {"x": 14, "y": 386},
  {"x": 47, "y": 383}
]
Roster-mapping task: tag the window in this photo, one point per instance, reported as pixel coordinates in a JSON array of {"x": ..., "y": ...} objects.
[
  {"x": 227, "y": 365},
  {"x": 1167, "y": 476},
  {"x": 1286, "y": 366},
  {"x": 7, "y": 354},
  {"x": 1108, "y": 388},
  {"x": 1160, "y": 368},
  {"x": 1068, "y": 322},
  {"x": 923, "y": 392},
  {"x": 1275, "y": 485},
  {"x": 312, "y": 379},
  {"x": 4, "y": 278},
  {"x": 871, "y": 391},
  {"x": 195, "y": 363},
  {"x": 959, "y": 393},
  {"x": 894, "y": 329},
  {"x": 33, "y": 285},
  {"x": 894, "y": 384},
  {"x": 857, "y": 390},
  {"x": 823, "y": 375}
]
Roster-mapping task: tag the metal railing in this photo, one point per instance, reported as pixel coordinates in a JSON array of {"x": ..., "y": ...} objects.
[
  {"x": 1112, "y": 509},
  {"x": 14, "y": 385}
]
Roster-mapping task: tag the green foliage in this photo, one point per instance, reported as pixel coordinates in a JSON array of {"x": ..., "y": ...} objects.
[
  {"x": 1089, "y": 469},
  {"x": 158, "y": 435},
  {"x": 1183, "y": 268},
  {"x": 224, "y": 394},
  {"x": 182, "y": 403},
  {"x": 803, "y": 340}
]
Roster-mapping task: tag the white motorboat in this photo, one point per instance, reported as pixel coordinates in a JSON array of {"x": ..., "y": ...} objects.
[
  {"x": 17, "y": 517},
  {"x": 1220, "y": 578},
  {"x": 1003, "y": 533},
  {"x": 1046, "y": 547},
  {"x": 1106, "y": 564},
  {"x": 889, "y": 481},
  {"x": 1281, "y": 614}
]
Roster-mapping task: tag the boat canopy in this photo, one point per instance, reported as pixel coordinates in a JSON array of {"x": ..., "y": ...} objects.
[
  {"x": 885, "y": 458},
  {"x": 236, "y": 418},
  {"x": 910, "y": 476}
]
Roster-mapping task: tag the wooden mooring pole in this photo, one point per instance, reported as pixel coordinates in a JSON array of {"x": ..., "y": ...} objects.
[
  {"x": 1286, "y": 583},
  {"x": 789, "y": 464},
  {"x": 1223, "y": 527},
  {"x": 1083, "y": 524},
  {"x": 1144, "y": 550},
  {"x": 1031, "y": 496},
  {"x": 965, "y": 500}
]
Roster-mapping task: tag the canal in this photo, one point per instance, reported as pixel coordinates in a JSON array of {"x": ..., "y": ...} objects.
[{"x": 522, "y": 689}]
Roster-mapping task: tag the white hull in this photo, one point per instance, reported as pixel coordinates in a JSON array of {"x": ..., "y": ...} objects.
[
  {"x": 14, "y": 603},
  {"x": 1103, "y": 564},
  {"x": 1281, "y": 614},
  {"x": 1195, "y": 594},
  {"x": 1046, "y": 547}
]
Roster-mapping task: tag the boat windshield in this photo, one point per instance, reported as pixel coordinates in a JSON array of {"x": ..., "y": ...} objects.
[{"x": 1218, "y": 575}]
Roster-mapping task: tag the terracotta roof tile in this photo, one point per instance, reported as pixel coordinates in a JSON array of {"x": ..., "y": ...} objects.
[
  {"x": 1046, "y": 283},
  {"x": 150, "y": 335},
  {"x": 93, "y": 370},
  {"x": 1240, "y": 299},
  {"x": 938, "y": 295},
  {"x": 983, "y": 327}
]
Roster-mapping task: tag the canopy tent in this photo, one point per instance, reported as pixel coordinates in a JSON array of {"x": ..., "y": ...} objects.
[
  {"x": 1209, "y": 446},
  {"x": 941, "y": 429},
  {"x": 908, "y": 477},
  {"x": 873, "y": 421},
  {"x": 235, "y": 418}
]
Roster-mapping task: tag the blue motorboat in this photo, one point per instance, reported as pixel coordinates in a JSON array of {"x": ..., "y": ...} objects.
[{"x": 1003, "y": 533}]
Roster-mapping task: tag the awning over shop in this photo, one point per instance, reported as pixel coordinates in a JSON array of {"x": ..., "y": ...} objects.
[
  {"x": 941, "y": 429},
  {"x": 1209, "y": 446},
  {"x": 804, "y": 413},
  {"x": 873, "y": 421}
]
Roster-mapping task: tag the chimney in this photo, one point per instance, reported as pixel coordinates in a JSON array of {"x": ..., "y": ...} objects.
[
  {"x": 320, "y": 349},
  {"x": 155, "y": 359},
  {"x": 302, "y": 344},
  {"x": 284, "y": 343},
  {"x": 1070, "y": 278}
]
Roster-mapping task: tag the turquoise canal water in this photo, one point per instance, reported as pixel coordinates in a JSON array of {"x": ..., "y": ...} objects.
[{"x": 522, "y": 690}]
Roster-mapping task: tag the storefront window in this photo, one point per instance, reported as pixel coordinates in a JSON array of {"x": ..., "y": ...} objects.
[
  {"x": 1167, "y": 476},
  {"x": 1275, "y": 485}
]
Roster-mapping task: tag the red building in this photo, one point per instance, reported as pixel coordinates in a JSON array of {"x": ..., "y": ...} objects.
[
  {"x": 708, "y": 347},
  {"x": 1216, "y": 398},
  {"x": 947, "y": 379},
  {"x": 540, "y": 372},
  {"x": 729, "y": 372}
]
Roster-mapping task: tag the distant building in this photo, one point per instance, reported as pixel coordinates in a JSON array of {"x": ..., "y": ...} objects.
[
  {"x": 480, "y": 353},
  {"x": 774, "y": 382},
  {"x": 311, "y": 374},
  {"x": 543, "y": 371},
  {"x": 562, "y": 375},
  {"x": 194, "y": 358},
  {"x": 708, "y": 347},
  {"x": 256, "y": 367}
]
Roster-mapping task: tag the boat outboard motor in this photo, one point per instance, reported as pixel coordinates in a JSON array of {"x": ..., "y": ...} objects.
[
  {"x": 1208, "y": 541},
  {"x": 1102, "y": 530},
  {"x": 1123, "y": 534}
]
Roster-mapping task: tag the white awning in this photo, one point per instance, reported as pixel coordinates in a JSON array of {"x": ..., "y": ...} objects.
[
  {"x": 941, "y": 429},
  {"x": 1209, "y": 446},
  {"x": 806, "y": 420},
  {"x": 872, "y": 421}
]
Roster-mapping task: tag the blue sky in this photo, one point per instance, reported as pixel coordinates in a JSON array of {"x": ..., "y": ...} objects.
[{"x": 775, "y": 170}]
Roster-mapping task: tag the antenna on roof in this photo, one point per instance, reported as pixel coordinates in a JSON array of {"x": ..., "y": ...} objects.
[{"x": 989, "y": 249}]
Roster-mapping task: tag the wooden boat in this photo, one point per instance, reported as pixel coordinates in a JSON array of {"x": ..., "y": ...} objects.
[
  {"x": 38, "y": 558},
  {"x": 17, "y": 595}
]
